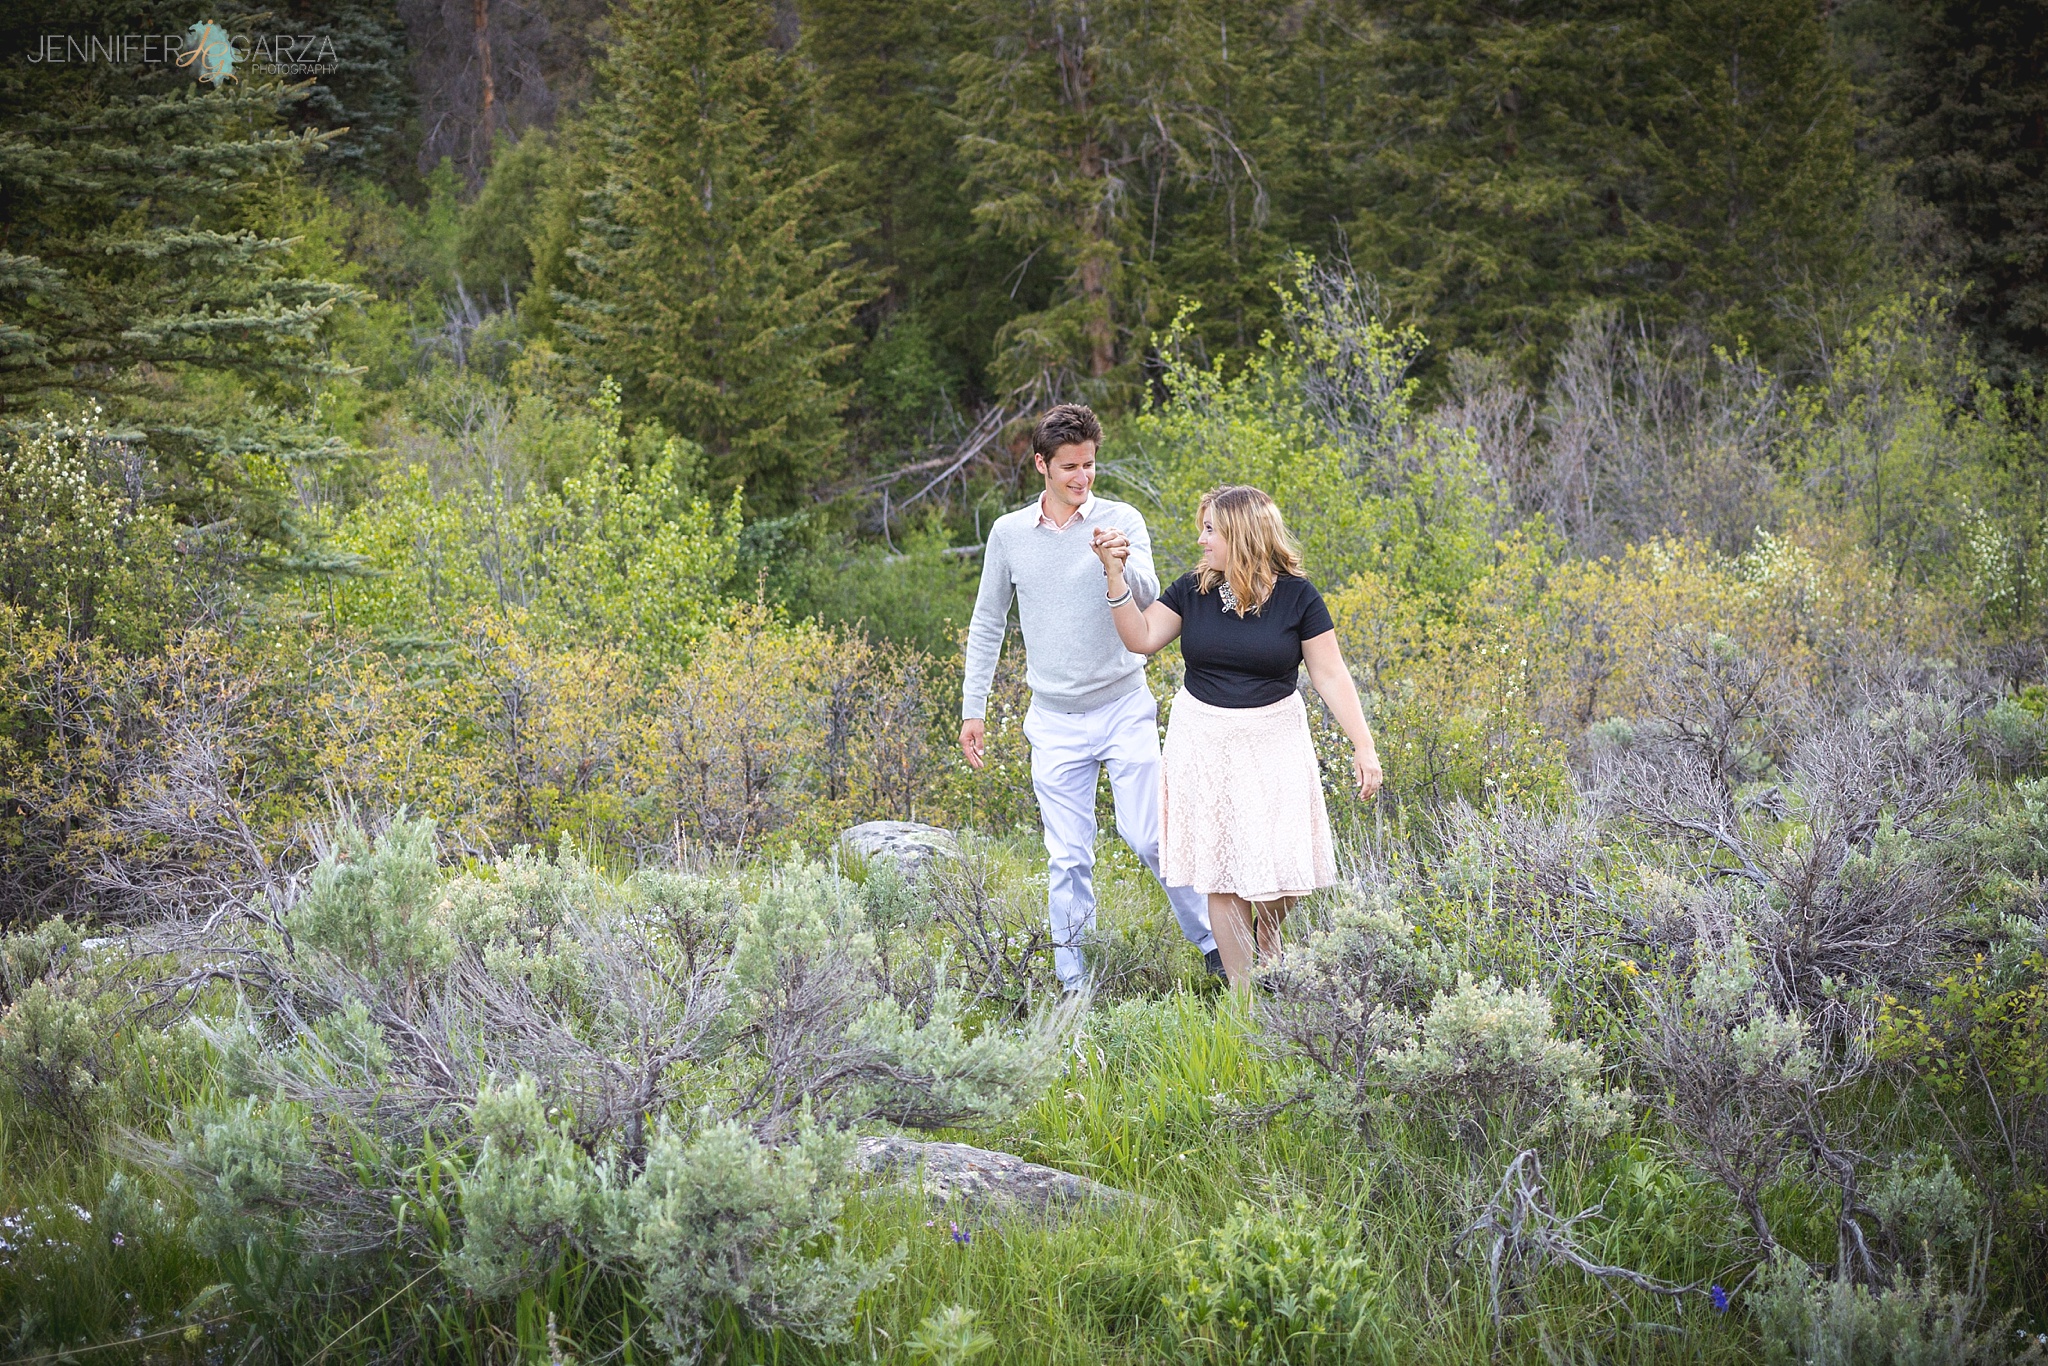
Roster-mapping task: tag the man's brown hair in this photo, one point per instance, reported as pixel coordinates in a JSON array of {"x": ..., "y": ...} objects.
[{"x": 1069, "y": 424}]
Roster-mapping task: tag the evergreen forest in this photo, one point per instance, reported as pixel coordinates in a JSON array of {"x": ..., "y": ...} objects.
[{"x": 492, "y": 491}]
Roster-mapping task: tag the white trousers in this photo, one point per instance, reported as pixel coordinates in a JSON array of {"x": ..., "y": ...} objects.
[{"x": 1068, "y": 751}]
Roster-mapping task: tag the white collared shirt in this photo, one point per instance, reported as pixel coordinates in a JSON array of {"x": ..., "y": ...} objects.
[{"x": 1080, "y": 514}]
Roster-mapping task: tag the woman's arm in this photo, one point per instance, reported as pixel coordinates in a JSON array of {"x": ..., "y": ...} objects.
[
  {"x": 1333, "y": 682},
  {"x": 1147, "y": 632}
]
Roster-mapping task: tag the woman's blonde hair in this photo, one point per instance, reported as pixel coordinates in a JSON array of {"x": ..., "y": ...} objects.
[{"x": 1260, "y": 549}]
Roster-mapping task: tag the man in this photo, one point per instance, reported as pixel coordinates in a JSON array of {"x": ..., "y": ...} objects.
[{"x": 1089, "y": 702}]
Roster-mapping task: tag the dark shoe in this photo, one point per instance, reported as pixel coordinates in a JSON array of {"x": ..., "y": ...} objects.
[{"x": 1213, "y": 960}]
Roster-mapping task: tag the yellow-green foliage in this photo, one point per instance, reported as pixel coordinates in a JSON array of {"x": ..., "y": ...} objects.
[
  {"x": 189, "y": 767},
  {"x": 769, "y": 727},
  {"x": 370, "y": 906},
  {"x": 617, "y": 546},
  {"x": 1481, "y": 695},
  {"x": 1375, "y": 487}
]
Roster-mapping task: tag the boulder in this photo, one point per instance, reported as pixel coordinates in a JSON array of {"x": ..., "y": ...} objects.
[
  {"x": 908, "y": 845},
  {"x": 979, "y": 1178}
]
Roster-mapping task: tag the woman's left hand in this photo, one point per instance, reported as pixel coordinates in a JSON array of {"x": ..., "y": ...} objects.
[{"x": 1365, "y": 767}]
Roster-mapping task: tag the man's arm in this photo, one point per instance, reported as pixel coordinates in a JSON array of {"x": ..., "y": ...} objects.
[
  {"x": 985, "y": 629},
  {"x": 1139, "y": 574}
]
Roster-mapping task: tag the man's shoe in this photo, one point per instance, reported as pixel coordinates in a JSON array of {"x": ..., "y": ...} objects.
[{"x": 1213, "y": 960}]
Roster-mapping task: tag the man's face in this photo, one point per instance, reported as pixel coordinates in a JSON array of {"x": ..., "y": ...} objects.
[{"x": 1070, "y": 473}]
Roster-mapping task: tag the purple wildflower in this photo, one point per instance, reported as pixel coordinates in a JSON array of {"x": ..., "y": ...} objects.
[
  {"x": 1720, "y": 1298},
  {"x": 961, "y": 1235}
]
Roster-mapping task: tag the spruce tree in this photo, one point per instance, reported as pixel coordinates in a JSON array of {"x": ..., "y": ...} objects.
[
  {"x": 1757, "y": 202},
  {"x": 885, "y": 92},
  {"x": 145, "y": 262},
  {"x": 1077, "y": 118},
  {"x": 1967, "y": 98},
  {"x": 363, "y": 84},
  {"x": 1496, "y": 171},
  {"x": 702, "y": 280},
  {"x": 1224, "y": 229}
]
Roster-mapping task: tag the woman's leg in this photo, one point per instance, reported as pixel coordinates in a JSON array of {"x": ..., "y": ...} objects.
[
  {"x": 1230, "y": 917},
  {"x": 1272, "y": 915}
]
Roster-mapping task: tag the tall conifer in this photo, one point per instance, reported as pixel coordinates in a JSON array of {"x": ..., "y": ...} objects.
[
  {"x": 146, "y": 260},
  {"x": 1077, "y": 117},
  {"x": 1968, "y": 96},
  {"x": 1752, "y": 146},
  {"x": 1497, "y": 169},
  {"x": 703, "y": 281},
  {"x": 887, "y": 90}
]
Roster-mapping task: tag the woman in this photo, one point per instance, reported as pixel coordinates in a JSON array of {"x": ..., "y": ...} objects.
[{"x": 1243, "y": 817}]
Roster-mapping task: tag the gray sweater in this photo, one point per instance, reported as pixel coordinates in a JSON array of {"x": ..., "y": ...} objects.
[{"x": 1073, "y": 658}]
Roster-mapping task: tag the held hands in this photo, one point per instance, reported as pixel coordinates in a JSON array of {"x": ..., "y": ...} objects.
[
  {"x": 1112, "y": 547},
  {"x": 1365, "y": 766}
]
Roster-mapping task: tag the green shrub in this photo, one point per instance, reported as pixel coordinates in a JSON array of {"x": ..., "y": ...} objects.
[
  {"x": 717, "y": 1216},
  {"x": 531, "y": 1067},
  {"x": 530, "y": 1195},
  {"x": 29, "y": 957},
  {"x": 1348, "y": 992},
  {"x": 1805, "y": 1320},
  {"x": 1739, "y": 1080},
  {"x": 2013, "y": 732},
  {"x": 1484, "y": 1049},
  {"x": 950, "y": 1337},
  {"x": 372, "y": 904},
  {"x": 55, "y": 1061},
  {"x": 1278, "y": 1287},
  {"x": 1931, "y": 1213}
]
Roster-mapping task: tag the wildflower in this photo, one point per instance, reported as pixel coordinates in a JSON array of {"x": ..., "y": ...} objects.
[
  {"x": 1720, "y": 1299},
  {"x": 961, "y": 1235},
  {"x": 120, "y": 1240}
]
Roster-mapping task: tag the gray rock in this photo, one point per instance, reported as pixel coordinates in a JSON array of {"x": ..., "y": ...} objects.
[
  {"x": 979, "y": 1178},
  {"x": 908, "y": 845}
]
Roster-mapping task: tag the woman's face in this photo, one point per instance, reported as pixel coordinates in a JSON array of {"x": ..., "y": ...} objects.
[{"x": 1215, "y": 550}]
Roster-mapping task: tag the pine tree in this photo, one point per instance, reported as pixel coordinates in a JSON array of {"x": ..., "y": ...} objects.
[
  {"x": 367, "y": 91},
  {"x": 1757, "y": 205},
  {"x": 702, "y": 281},
  {"x": 1077, "y": 118},
  {"x": 885, "y": 91},
  {"x": 1223, "y": 232},
  {"x": 1968, "y": 101},
  {"x": 1496, "y": 178},
  {"x": 145, "y": 264},
  {"x": 493, "y": 250}
]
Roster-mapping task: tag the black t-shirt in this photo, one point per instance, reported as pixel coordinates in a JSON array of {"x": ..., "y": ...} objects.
[{"x": 1247, "y": 661}]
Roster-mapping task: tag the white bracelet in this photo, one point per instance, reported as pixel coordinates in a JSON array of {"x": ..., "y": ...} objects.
[{"x": 1120, "y": 599}]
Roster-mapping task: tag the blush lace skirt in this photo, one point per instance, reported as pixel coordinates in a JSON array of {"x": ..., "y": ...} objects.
[{"x": 1241, "y": 805}]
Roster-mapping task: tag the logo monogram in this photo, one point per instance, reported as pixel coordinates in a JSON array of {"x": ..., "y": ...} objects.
[{"x": 208, "y": 44}]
